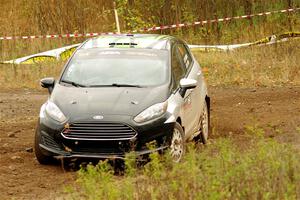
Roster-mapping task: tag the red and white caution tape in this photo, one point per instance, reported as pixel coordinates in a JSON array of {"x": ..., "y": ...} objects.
[
  {"x": 74, "y": 35},
  {"x": 278, "y": 38},
  {"x": 226, "y": 19},
  {"x": 162, "y": 27},
  {"x": 65, "y": 52}
]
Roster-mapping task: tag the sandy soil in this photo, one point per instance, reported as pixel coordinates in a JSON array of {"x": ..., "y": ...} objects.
[{"x": 276, "y": 110}]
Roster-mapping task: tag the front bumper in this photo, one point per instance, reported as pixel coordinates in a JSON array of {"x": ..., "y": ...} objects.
[
  {"x": 64, "y": 154},
  {"x": 156, "y": 132}
]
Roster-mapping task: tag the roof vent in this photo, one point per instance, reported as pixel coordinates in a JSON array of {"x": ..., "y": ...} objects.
[{"x": 122, "y": 44}]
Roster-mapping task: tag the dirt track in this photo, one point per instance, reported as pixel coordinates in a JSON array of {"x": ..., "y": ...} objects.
[{"x": 277, "y": 110}]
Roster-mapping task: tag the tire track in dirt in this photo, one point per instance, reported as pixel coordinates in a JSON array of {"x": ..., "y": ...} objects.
[{"x": 276, "y": 110}]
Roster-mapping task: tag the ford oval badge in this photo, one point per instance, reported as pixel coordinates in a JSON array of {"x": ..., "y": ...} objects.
[{"x": 98, "y": 117}]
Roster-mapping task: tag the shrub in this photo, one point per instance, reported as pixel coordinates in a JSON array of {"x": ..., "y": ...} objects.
[{"x": 261, "y": 169}]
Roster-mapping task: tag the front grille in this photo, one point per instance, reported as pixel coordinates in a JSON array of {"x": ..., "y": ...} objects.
[{"x": 98, "y": 131}]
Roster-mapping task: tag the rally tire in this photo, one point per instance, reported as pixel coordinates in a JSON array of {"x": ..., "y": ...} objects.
[
  {"x": 177, "y": 146},
  {"x": 205, "y": 124}
]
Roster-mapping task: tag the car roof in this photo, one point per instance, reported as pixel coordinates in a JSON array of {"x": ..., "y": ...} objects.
[{"x": 141, "y": 41}]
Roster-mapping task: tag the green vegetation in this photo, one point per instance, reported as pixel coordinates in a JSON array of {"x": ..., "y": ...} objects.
[
  {"x": 274, "y": 65},
  {"x": 136, "y": 14},
  {"x": 255, "y": 66},
  {"x": 252, "y": 168},
  {"x": 27, "y": 76},
  {"x": 40, "y": 17},
  {"x": 257, "y": 168}
]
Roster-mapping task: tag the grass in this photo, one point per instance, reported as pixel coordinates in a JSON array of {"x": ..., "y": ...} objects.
[
  {"x": 27, "y": 76},
  {"x": 258, "y": 169},
  {"x": 41, "y": 17},
  {"x": 274, "y": 65}
]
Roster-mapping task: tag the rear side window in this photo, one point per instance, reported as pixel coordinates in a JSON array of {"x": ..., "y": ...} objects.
[
  {"x": 178, "y": 69},
  {"x": 185, "y": 55}
]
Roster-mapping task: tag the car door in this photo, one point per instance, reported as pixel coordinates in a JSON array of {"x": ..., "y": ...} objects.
[
  {"x": 179, "y": 71},
  {"x": 193, "y": 96}
]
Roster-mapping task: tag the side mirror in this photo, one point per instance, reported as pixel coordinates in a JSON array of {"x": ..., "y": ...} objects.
[
  {"x": 48, "y": 83},
  {"x": 186, "y": 84}
]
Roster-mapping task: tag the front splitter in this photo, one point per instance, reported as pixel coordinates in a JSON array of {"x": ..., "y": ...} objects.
[{"x": 64, "y": 154}]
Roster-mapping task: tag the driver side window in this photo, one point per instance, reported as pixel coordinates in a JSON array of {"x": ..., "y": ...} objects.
[{"x": 178, "y": 68}]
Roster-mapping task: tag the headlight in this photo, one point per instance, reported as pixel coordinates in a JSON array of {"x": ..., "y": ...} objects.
[
  {"x": 152, "y": 112},
  {"x": 54, "y": 112},
  {"x": 42, "y": 111}
]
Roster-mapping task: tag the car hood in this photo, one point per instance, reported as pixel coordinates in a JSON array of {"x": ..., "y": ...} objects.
[{"x": 80, "y": 103}]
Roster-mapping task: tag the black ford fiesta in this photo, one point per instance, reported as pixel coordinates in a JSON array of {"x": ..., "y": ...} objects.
[{"x": 117, "y": 93}]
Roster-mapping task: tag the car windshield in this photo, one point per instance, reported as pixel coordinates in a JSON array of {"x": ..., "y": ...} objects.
[{"x": 131, "y": 67}]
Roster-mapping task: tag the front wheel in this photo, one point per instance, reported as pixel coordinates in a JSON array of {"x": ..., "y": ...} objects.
[
  {"x": 177, "y": 147},
  {"x": 204, "y": 124}
]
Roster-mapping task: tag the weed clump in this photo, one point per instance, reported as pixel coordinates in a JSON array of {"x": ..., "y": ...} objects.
[{"x": 261, "y": 169}]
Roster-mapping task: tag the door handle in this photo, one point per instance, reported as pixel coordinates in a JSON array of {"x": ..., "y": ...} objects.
[{"x": 199, "y": 73}]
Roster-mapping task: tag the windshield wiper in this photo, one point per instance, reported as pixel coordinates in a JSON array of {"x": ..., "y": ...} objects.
[
  {"x": 73, "y": 83},
  {"x": 117, "y": 85},
  {"x": 125, "y": 85}
]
